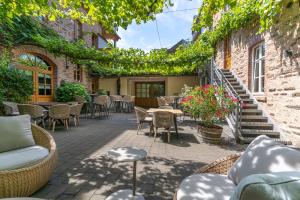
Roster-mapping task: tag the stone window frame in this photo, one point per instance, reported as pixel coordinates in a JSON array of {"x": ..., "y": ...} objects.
[
  {"x": 77, "y": 73},
  {"x": 253, "y": 42}
]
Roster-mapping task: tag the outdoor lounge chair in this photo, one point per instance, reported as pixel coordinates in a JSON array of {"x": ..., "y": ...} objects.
[
  {"x": 163, "y": 119},
  {"x": 26, "y": 173},
  {"x": 143, "y": 117},
  {"x": 266, "y": 170}
]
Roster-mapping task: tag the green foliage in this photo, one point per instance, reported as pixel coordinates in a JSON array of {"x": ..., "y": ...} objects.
[
  {"x": 201, "y": 102},
  {"x": 102, "y": 92},
  {"x": 15, "y": 85},
  {"x": 68, "y": 91},
  {"x": 109, "y": 13},
  {"x": 239, "y": 13}
]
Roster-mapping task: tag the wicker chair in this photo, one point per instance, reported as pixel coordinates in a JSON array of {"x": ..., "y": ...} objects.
[
  {"x": 170, "y": 100},
  {"x": 129, "y": 102},
  {"x": 100, "y": 105},
  {"x": 143, "y": 117},
  {"x": 37, "y": 113},
  {"x": 115, "y": 102},
  {"x": 161, "y": 101},
  {"x": 59, "y": 112},
  {"x": 86, "y": 108},
  {"x": 10, "y": 108},
  {"x": 166, "y": 107},
  {"x": 220, "y": 166},
  {"x": 163, "y": 119},
  {"x": 25, "y": 181},
  {"x": 75, "y": 111}
]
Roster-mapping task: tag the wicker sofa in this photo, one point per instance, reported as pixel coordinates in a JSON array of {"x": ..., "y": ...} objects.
[
  {"x": 220, "y": 166},
  {"x": 25, "y": 181},
  {"x": 266, "y": 170}
]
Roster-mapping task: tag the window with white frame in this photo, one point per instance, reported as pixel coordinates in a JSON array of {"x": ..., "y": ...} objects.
[{"x": 258, "y": 68}]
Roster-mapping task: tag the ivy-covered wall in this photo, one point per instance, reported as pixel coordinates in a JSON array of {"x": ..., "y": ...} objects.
[{"x": 281, "y": 98}]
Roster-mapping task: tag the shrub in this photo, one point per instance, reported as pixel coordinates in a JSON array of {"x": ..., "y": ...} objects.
[{"x": 68, "y": 91}]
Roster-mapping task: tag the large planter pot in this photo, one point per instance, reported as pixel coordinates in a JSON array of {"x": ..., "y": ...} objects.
[{"x": 211, "y": 134}]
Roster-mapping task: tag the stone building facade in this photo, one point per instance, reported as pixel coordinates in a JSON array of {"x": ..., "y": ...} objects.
[
  {"x": 60, "y": 68},
  {"x": 268, "y": 64}
]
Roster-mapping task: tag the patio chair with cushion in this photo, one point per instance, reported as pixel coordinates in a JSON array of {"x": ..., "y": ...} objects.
[
  {"x": 163, "y": 119},
  {"x": 37, "y": 113},
  {"x": 59, "y": 112},
  {"x": 27, "y": 156},
  {"x": 75, "y": 111},
  {"x": 266, "y": 170},
  {"x": 161, "y": 101},
  {"x": 10, "y": 108},
  {"x": 100, "y": 105},
  {"x": 143, "y": 117}
]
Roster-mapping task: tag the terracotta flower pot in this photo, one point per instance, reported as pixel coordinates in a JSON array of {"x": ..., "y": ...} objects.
[{"x": 210, "y": 134}]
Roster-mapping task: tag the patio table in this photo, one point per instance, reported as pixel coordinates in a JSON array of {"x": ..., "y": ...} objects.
[
  {"x": 127, "y": 154},
  {"x": 176, "y": 112}
]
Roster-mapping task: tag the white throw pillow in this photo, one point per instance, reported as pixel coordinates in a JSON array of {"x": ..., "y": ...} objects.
[
  {"x": 15, "y": 133},
  {"x": 264, "y": 155}
]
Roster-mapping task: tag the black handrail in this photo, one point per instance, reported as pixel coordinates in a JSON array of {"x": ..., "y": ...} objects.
[{"x": 217, "y": 77}]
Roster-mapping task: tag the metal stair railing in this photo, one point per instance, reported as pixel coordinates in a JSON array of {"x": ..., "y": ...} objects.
[{"x": 217, "y": 77}]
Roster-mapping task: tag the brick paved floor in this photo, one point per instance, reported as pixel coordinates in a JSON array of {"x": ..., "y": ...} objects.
[{"x": 83, "y": 171}]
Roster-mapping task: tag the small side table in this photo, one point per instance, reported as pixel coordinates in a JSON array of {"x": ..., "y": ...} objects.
[{"x": 127, "y": 154}]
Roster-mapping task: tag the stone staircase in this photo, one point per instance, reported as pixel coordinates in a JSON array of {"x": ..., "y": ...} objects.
[{"x": 253, "y": 123}]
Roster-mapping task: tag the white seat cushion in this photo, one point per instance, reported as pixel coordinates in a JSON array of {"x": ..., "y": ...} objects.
[
  {"x": 264, "y": 155},
  {"x": 24, "y": 157},
  {"x": 205, "y": 187}
]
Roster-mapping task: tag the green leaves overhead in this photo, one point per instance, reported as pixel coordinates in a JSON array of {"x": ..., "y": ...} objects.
[{"x": 109, "y": 13}]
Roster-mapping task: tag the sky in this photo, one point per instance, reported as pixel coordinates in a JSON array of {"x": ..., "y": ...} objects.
[{"x": 172, "y": 27}]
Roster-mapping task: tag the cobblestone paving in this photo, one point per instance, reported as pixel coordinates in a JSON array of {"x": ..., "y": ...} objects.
[{"x": 83, "y": 171}]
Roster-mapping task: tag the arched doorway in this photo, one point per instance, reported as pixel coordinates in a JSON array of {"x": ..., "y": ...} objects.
[{"x": 41, "y": 72}]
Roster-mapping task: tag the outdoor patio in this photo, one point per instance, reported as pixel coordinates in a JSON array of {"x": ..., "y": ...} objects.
[{"x": 84, "y": 172}]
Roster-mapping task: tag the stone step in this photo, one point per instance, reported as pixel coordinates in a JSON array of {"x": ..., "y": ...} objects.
[
  {"x": 251, "y": 112},
  {"x": 253, "y": 118},
  {"x": 229, "y": 76},
  {"x": 241, "y": 91},
  {"x": 247, "y": 100},
  {"x": 238, "y": 87},
  {"x": 234, "y": 83},
  {"x": 255, "y": 133},
  {"x": 244, "y": 96},
  {"x": 248, "y": 140},
  {"x": 225, "y": 70},
  {"x": 250, "y": 106},
  {"x": 232, "y": 79},
  {"x": 257, "y": 125}
]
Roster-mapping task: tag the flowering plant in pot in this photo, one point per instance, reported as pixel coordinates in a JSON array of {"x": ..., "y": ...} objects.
[{"x": 210, "y": 104}]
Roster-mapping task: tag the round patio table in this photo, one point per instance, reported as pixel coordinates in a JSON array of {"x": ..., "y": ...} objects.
[{"x": 127, "y": 154}]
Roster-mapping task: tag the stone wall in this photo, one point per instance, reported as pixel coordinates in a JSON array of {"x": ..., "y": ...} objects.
[{"x": 281, "y": 98}]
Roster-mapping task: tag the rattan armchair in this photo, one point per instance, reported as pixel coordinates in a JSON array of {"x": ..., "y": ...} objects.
[
  {"x": 86, "y": 108},
  {"x": 163, "y": 119},
  {"x": 36, "y": 112},
  {"x": 143, "y": 117},
  {"x": 220, "y": 166},
  {"x": 59, "y": 112},
  {"x": 25, "y": 181},
  {"x": 161, "y": 101},
  {"x": 75, "y": 111},
  {"x": 129, "y": 102},
  {"x": 100, "y": 105},
  {"x": 10, "y": 108}
]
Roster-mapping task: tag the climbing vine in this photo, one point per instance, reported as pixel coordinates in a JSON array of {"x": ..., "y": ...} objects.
[{"x": 116, "y": 61}]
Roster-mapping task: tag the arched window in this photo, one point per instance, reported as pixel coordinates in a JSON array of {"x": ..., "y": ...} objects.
[{"x": 41, "y": 73}]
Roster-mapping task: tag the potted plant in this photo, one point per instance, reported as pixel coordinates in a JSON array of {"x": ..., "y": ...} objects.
[{"x": 210, "y": 104}]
